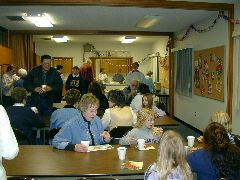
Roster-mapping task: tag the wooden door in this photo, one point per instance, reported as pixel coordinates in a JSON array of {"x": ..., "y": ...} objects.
[{"x": 67, "y": 63}]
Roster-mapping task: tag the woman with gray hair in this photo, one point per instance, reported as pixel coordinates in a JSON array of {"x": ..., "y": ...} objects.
[
  {"x": 22, "y": 73},
  {"x": 85, "y": 127}
]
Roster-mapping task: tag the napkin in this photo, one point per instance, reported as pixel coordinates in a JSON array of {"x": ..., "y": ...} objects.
[
  {"x": 99, "y": 147},
  {"x": 132, "y": 165}
]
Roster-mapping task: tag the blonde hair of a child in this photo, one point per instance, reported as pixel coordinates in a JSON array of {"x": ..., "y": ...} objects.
[
  {"x": 172, "y": 154},
  {"x": 143, "y": 115},
  {"x": 222, "y": 118},
  {"x": 149, "y": 99}
]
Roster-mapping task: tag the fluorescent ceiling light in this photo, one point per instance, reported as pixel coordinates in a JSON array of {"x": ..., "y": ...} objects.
[
  {"x": 128, "y": 39},
  {"x": 40, "y": 20},
  {"x": 60, "y": 38},
  {"x": 148, "y": 21}
]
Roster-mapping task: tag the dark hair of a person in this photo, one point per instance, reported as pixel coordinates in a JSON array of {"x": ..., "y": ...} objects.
[
  {"x": 143, "y": 88},
  {"x": 117, "y": 97},
  {"x": 225, "y": 156},
  {"x": 73, "y": 96},
  {"x": 59, "y": 67},
  {"x": 86, "y": 72},
  {"x": 10, "y": 67},
  {"x": 136, "y": 64},
  {"x": 95, "y": 88},
  {"x": 149, "y": 99},
  {"x": 45, "y": 56},
  {"x": 19, "y": 94},
  {"x": 75, "y": 67}
]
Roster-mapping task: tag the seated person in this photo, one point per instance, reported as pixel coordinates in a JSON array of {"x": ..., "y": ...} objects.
[
  {"x": 131, "y": 91},
  {"x": 143, "y": 129},
  {"x": 147, "y": 102},
  {"x": 118, "y": 77},
  {"x": 22, "y": 73},
  {"x": 224, "y": 119},
  {"x": 117, "y": 114},
  {"x": 21, "y": 117},
  {"x": 86, "y": 127},
  {"x": 61, "y": 116},
  {"x": 136, "y": 103},
  {"x": 171, "y": 162},
  {"x": 95, "y": 89},
  {"x": 218, "y": 158}
]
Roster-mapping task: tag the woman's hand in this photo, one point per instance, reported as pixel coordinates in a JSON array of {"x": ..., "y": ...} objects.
[
  {"x": 106, "y": 136},
  {"x": 80, "y": 148}
]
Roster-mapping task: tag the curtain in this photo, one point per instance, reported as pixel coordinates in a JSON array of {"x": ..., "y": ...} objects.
[
  {"x": 22, "y": 45},
  {"x": 237, "y": 73},
  {"x": 183, "y": 62}
]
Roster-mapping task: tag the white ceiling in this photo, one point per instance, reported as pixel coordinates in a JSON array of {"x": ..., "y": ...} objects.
[{"x": 104, "y": 18}]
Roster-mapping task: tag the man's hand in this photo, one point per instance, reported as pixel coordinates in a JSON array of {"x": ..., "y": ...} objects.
[{"x": 80, "y": 148}]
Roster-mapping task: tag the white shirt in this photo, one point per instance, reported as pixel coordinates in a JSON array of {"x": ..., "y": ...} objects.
[
  {"x": 117, "y": 116},
  {"x": 8, "y": 143}
]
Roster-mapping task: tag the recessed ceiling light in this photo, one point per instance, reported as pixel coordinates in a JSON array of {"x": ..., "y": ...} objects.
[
  {"x": 40, "y": 20},
  {"x": 128, "y": 39},
  {"x": 60, "y": 38}
]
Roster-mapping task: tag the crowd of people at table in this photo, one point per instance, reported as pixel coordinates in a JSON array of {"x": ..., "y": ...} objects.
[{"x": 89, "y": 116}]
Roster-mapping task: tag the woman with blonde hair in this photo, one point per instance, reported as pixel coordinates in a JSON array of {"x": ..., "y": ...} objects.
[
  {"x": 143, "y": 129},
  {"x": 171, "y": 163}
]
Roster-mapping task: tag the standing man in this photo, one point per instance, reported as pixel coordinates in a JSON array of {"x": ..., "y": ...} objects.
[
  {"x": 43, "y": 82},
  {"x": 74, "y": 80},
  {"x": 135, "y": 74}
]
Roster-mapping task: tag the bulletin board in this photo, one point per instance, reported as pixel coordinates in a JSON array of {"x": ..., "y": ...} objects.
[{"x": 209, "y": 73}]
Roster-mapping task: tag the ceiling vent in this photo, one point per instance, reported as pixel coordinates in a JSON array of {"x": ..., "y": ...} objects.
[{"x": 15, "y": 18}]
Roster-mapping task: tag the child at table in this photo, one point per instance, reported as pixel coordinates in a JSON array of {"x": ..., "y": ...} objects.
[
  {"x": 171, "y": 163},
  {"x": 143, "y": 129},
  {"x": 147, "y": 102}
]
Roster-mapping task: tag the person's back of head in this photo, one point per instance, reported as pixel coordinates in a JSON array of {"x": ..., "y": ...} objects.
[
  {"x": 222, "y": 118},
  {"x": 19, "y": 95},
  {"x": 225, "y": 156},
  {"x": 95, "y": 88},
  {"x": 22, "y": 73},
  {"x": 172, "y": 154},
  {"x": 143, "y": 88},
  {"x": 59, "y": 67},
  {"x": 72, "y": 96},
  {"x": 117, "y": 97}
]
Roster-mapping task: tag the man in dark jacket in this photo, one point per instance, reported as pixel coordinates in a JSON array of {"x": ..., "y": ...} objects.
[{"x": 43, "y": 82}]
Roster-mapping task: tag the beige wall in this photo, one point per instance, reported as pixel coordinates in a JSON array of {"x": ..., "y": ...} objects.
[{"x": 197, "y": 110}]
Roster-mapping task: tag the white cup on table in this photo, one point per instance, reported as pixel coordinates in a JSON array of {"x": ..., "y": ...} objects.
[
  {"x": 121, "y": 153},
  {"x": 85, "y": 143},
  {"x": 141, "y": 143},
  {"x": 191, "y": 140}
]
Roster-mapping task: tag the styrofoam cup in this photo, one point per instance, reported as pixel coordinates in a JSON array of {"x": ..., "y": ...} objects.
[
  {"x": 141, "y": 143},
  {"x": 85, "y": 143},
  {"x": 191, "y": 140},
  {"x": 121, "y": 153}
]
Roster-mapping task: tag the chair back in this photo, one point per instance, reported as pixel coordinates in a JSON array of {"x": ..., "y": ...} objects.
[
  {"x": 51, "y": 134},
  {"x": 120, "y": 131},
  {"x": 21, "y": 137}
]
